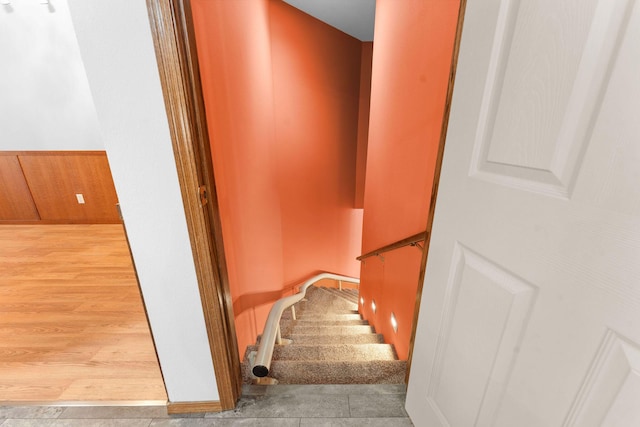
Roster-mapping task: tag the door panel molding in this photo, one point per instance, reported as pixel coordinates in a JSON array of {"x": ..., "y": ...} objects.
[
  {"x": 486, "y": 303},
  {"x": 546, "y": 160},
  {"x": 610, "y": 389}
]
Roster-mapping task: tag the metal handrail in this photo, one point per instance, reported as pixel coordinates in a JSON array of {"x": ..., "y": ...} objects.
[{"x": 262, "y": 361}]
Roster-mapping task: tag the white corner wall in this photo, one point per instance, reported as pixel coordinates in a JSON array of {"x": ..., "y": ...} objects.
[
  {"x": 45, "y": 102},
  {"x": 117, "y": 50}
]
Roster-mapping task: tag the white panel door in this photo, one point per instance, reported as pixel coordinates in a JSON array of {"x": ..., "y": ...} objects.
[{"x": 530, "y": 313}]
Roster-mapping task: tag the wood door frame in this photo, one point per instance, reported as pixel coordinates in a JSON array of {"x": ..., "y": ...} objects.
[
  {"x": 172, "y": 28},
  {"x": 174, "y": 41}
]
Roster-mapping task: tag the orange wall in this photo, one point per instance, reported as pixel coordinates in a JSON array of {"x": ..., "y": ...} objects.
[
  {"x": 316, "y": 83},
  {"x": 411, "y": 61},
  {"x": 363, "y": 121},
  {"x": 392, "y": 284},
  {"x": 281, "y": 94}
]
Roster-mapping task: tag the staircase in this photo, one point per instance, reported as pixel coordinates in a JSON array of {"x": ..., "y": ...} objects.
[{"x": 331, "y": 344}]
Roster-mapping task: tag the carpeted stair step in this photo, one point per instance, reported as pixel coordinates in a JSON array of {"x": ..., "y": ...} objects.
[
  {"x": 332, "y": 330},
  {"x": 288, "y": 327},
  {"x": 322, "y": 314},
  {"x": 333, "y": 352},
  {"x": 353, "y": 295},
  {"x": 330, "y": 344},
  {"x": 327, "y": 303},
  {"x": 336, "y": 339},
  {"x": 291, "y": 326},
  {"x": 327, "y": 322},
  {"x": 326, "y": 372},
  {"x": 319, "y": 316},
  {"x": 353, "y": 292},
  {"x": 321, "y": 297},
  {"x": 344, "y": 294}
]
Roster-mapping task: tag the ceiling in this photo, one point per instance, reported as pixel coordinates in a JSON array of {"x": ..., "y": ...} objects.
[{"x": 354, "y": 17}]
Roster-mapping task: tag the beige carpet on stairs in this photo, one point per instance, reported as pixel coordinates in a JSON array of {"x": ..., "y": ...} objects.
[{"x": 331, "y": 344}]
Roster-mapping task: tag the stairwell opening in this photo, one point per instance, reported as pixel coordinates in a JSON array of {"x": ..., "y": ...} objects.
[
  {"x": 328, "y": 342},
  {"x": 247, "y": 242}
]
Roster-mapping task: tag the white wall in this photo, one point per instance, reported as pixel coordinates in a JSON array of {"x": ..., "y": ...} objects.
[
  {"x": 117, "y": 50},
  {"x": 45, "y": 103}
]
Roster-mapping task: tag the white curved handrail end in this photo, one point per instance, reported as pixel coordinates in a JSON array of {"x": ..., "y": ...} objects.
[{"x": 262, "y": 361}]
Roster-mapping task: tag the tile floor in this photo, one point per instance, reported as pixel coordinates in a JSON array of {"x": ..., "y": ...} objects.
[{"x": 263, "y": 406}]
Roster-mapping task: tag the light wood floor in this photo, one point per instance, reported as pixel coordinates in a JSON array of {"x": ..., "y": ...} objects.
[{"x": 72, "y": 323}]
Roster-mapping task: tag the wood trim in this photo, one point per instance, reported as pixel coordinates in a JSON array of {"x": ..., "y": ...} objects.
[
  {"x": 411, "y": 240},
  {"x": 55, "y": 153},
  {"x": 41, "y": 186},
  {"x": 54, "y": 181},
  {"x": 174, "y": 408},
  {"x": 17, "y": 201},
  {"x": 177, "y": 63},
  {"x": 57, "y": 221},
  {"x": 212, "y": 211},
  {"x": 436, "y": 179}
]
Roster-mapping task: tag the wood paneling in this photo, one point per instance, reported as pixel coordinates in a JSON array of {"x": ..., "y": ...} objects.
[
  {"x": 15, "y": 199},
  {"x": 55, "y": 179},
  {"x": 73, "y": 326}
]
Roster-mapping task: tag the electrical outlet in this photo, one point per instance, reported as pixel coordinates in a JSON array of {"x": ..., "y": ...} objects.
[{"x": 80, "y": 198}]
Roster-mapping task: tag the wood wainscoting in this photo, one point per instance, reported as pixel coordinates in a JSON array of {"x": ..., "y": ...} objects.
[
  {"x": 72, "y": 322},
  {"x": 17, "y": 203},
  {"x": 43, "y": 187}
]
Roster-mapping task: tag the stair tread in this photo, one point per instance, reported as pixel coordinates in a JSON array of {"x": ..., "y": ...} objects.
[
  {"x": 340, "y": 372},
  {"x": 332, "y": 329},
  {"x": 344, "y": 294},
  {"x": 328, "y": 322},
  {"x": 316, "y": 312},
  {"x": 328, "y": 300},
  {"x": 324, "y": 314},
  {"x": 333, "y": 352},
  {"x": 336, "y": 339}
]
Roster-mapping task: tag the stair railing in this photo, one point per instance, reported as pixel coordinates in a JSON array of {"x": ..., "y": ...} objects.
[
  {"x": 271, "y": 334},
  {"x": 409, "y": 241}
]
